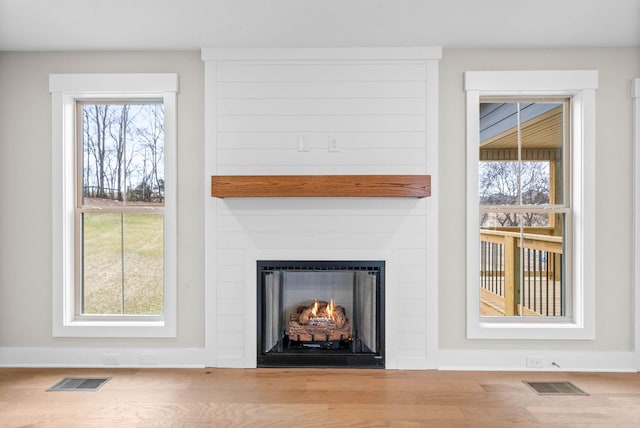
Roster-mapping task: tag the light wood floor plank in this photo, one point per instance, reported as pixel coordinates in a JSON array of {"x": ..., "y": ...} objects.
[{"x": 315, "y": 398}]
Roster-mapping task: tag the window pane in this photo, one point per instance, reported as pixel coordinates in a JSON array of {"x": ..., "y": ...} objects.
[
  {"x": 522, "y": 267},
  {"x": 534, "y": 180},
  {"x": 543, "y": 265},
  {"x": 521, "y": 153},
  {"x": 498, "y": 261},
  {"x": 145, "y": 157},
  {"x": 542, "y": 151},
  {"x": 122, "y": 263},
  {"x": 102, "y": 263},
  {"x": 122, "y": 154},
  {"x": 104, "y": 135},
  {"x": 143, "y": 264}
]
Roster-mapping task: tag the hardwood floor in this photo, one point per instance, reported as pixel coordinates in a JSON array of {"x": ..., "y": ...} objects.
[{"x": 314, "y": 398}]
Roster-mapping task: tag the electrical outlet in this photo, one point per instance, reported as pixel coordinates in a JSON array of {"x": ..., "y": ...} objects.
[
  {"x": 334, "y": 144},
  {"x": 535, "y": 362},
  {"x": 148, "y": 359},
  {"x": 111, "y": 359}
]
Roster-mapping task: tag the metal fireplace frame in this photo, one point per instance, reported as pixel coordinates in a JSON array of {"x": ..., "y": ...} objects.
[{"x": 321, "y": 358}]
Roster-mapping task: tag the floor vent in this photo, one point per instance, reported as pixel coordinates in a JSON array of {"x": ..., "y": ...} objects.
[
  {"x": 79, "y": 384},
  {"x": 555, "y": 388}
]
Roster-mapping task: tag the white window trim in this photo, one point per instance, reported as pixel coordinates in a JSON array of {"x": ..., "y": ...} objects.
[
  {"x": 581, "y": 86},
  {"x": 635, "y": 96},
  {"x": 65, "y": 90}
]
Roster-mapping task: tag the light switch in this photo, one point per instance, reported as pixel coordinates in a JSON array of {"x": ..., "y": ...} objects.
[
  {"x": 334, "y": 144},
  {"x": 303, "y": 145}
]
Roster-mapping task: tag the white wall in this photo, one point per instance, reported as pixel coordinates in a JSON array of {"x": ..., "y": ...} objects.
[
  {"x": 25, "y": 214},
  {"x": 613, "y": 173},
  {"x": 258, "y": 110},
  {"x": 25, "y": 219}
]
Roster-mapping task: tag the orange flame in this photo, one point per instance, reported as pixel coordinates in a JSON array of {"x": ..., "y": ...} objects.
[
  {"x": 316, "y": 306},
  {"x": 330, "y": 308}
]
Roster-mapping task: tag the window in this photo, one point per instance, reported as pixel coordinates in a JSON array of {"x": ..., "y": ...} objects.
[
  {"x": 523, "y": 209},
  {"x": 530, "y": 157},
  {"x": 114, "y": 204},
  {"x": 120, "y": 146}
]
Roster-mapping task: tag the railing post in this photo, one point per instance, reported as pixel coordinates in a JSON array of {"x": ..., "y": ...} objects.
[
  {"x": 557, "y": 273},
  {"x": 511, "y": 276}
]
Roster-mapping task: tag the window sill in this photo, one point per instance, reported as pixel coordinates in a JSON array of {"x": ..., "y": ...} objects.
[
  {"x": 508, "y": 328},
  {"x": 128, "y": 328}
]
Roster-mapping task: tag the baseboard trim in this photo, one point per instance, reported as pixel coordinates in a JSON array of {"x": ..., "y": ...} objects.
[
  {"x": 102, "y": 357},
  {"x": 476, "y": 360},
  {"x": 508, "y": 360}
]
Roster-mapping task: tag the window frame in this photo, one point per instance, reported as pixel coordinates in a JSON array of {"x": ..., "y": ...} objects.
[
  {"x": 635, "y": 97},
  {"x": 580, "y": 87},
  {"x": 66, "y": 90}
]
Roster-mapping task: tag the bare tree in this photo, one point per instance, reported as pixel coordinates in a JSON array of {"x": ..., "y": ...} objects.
[
  {"x": 95, "y": 125},
  {"x": 120, "y": 131},
  {"x": 152, "y": 135},
  {"x": 123, "y": 150},
  {"x": 514, "y": 183}
]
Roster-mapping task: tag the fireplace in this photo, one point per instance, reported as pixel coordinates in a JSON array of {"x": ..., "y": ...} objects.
[{"x": 320, "y": 314}]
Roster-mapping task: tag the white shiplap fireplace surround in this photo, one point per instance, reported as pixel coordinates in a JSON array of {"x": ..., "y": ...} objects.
[{"x": 274, "y": 112}]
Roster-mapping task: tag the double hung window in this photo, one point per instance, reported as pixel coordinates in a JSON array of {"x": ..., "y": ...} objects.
[
  {"x": 523, "y": 207},
  {"x": 114, "y": 199},
  {"x": 530, "y": 161}
]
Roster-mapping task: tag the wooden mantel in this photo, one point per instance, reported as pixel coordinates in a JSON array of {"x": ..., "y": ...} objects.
[{"x": 265, "y": 186}]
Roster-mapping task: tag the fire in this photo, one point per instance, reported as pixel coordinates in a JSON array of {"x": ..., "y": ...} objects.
[
  {"x": 323, "y": 312},
  {"x": 330, "y": 308}
]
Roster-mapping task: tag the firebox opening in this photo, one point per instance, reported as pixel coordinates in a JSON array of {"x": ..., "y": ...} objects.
[{"x": 320, "y": 314}]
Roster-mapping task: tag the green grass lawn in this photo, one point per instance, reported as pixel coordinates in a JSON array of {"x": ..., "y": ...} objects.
[{"x": 111, "y": 241}]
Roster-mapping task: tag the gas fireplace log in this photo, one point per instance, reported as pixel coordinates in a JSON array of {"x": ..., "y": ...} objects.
[
  {"x": 316, "y": 333},
  {"x": 319, "y": 322},
  {"x": 322, "y": 313},
  {"x": 304, "y": 316}
]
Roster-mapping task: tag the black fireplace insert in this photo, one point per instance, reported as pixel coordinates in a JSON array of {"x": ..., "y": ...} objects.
[{"x": 320, "y": 313}]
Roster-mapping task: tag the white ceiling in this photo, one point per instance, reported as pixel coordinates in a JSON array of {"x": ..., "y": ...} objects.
[{"x": 193, "y": 24}]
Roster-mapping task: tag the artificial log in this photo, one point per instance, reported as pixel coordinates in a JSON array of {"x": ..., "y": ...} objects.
[
  {"x": 304, "y": 326},
  {"x": 305, "y": 315}
]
